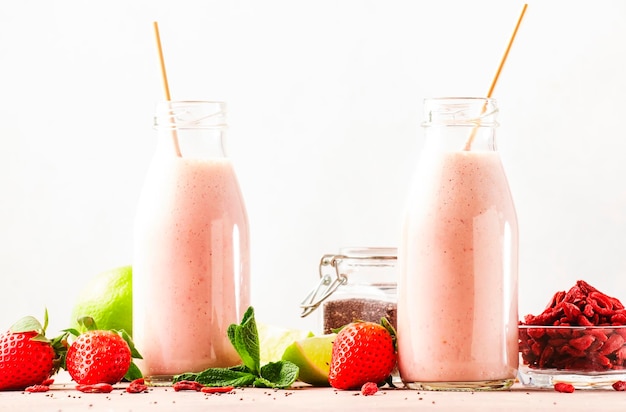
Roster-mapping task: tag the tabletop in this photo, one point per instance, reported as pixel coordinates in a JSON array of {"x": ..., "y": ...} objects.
[{"x": 65, "y": 398}]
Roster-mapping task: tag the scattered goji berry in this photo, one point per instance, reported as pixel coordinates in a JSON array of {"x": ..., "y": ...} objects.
[
  {"x": 369, "y": 388},
  {"x": 38, "y": 388},
  {"x": 564, "y": 387},
  {"x": 216, "y": 389},
  {"x": 619, "y": 386},
  {"x": 95, "y": 388},
  {"x": 137, "y": 386},
  {"x": 187, "y": 386}
]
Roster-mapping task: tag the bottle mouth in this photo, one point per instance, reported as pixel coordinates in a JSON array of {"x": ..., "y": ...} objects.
[
  {"x": 190, "y": 114},
  {"x": 460, "y": 111}
]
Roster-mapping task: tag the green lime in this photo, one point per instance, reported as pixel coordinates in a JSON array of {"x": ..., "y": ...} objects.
[
  {"x": 274, "y": 339},
  {"x": 312, "y": 355},
  {"x": 108, "y": 299}
]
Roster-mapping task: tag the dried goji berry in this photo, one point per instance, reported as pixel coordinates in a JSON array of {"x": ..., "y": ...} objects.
[
  {"x": 619, "y": 386},
  {"x": 187, "y": 386},
  {"x": 582, "y": 343},
  {"x": 137, "y": 386},
  {"x": 614, "y": 343},
  {"x": 564, "y": 387},
  {"x": 38, "y": 388},
  {"x": 95, "y": 388},
  {"x": 216, "y": 389}
]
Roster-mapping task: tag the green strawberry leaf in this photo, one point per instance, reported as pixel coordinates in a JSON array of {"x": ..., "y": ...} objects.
[
  {"x": 70, "y": 331},
  {"x": 133, "y": 373},
  {"x": 281, "y": 374},
  {"x": 27, "y": 324},
  {"x": 60, "y": 345},
  {"x": 87, "y": 323},
  {"x": 134, "y": 353},
  {"x": 45, "y": 321},
  {"x": 385, "y": 323}
]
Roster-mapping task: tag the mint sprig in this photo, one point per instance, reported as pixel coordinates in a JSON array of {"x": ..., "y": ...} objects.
[{"x": 245, "y": 339}]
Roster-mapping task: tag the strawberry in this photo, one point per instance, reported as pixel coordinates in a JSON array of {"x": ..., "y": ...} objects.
[
  {"x": 362, "y": 352},
  {"x": 100, "y": 356},
  {"x": 26, "y": 356}
]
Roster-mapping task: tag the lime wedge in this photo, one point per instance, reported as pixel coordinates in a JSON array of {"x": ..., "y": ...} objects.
[
  {"x": 312, "y": 355},
  {"x": 273, "y": 340}
]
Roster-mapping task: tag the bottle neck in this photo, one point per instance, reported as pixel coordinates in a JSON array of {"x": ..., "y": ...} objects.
[
  {"x": 191, "y": 129},
  {"x": 461, "y": 124}
]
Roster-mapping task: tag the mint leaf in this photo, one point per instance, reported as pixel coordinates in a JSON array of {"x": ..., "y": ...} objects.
[
  {"x": 188, "y": 376},
  {"x": 224, "y": 377},
  {"x": 245, "y": 339},
  {"x": 281, "y": 374}
]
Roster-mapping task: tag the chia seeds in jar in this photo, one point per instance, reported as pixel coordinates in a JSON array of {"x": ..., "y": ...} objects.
[{"x": 356, "y": 284}]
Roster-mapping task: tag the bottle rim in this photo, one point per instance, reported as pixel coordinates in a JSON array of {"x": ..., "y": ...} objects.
[
  {"x": 460, "y": 112},
  {"x": 190, "y": 114}
]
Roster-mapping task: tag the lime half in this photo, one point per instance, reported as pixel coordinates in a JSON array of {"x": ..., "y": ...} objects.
[
  {"x": 274, "y": 339},
  {"x": 312, "y": 355}
]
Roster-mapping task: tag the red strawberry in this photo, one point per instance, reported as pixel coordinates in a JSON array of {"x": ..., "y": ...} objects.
[
  {"x": 362, "y": 352},
  {"x": 26, "y": 356},
  {"x": 100, "y": 356}
]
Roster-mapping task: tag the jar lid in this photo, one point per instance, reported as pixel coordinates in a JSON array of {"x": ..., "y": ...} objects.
[{"x": 354, "y": 256}]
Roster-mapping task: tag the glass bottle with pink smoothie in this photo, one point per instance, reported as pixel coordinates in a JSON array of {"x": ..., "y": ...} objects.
[
  {"x": 191, "y": 246},
  {"x": 458, "y": 256}
]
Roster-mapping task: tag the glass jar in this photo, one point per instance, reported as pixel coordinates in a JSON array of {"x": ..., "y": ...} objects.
[
  {"x": 356, "y": 284},
  {"x": 458, "y": 256},
  {"x": 191, "y": 246}
]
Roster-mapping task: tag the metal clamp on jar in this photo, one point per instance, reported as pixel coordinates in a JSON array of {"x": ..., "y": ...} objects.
[{"x": 356, "y": 284}]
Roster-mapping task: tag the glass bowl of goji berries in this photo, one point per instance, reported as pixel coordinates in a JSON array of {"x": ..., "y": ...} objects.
[{"x": 580, "y": 339}]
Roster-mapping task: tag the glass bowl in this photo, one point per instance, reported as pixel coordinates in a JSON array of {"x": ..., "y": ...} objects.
[{"x": 588, "y": 357}]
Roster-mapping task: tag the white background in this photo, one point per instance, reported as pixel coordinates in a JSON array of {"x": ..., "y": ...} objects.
[{"x": 325, "y": 102}]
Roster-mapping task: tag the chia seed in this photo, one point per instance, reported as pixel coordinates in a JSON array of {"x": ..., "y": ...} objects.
[{"x": 340, "y": 312}]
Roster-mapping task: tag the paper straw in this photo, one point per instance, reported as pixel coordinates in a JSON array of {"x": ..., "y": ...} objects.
[
  {"x": 469, "y": 142},
  {"x": 165, "y": 83}
]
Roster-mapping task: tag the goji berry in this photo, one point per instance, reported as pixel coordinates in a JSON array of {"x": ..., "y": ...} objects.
[
  {"x": 137, "y": 386},
  {"x": 38, "y": 388},
  {"x": 619, "y": 386},
  {"x": 95, "y": 388},
  {"x": 583, "y": 342},
  {"x": 187, "y": 386},
  {"x": 564, "y": 387},
  {"x": 216, "y": 389},
  {"x": 614, "y": 343}
]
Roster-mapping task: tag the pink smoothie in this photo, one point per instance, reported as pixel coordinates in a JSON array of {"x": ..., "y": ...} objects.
[
  {"x": 457, "y": 306},
  {"x": 189, "y": 283}
]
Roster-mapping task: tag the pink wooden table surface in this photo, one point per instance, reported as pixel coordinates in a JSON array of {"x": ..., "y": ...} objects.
[{"x": 63, "y": 398}]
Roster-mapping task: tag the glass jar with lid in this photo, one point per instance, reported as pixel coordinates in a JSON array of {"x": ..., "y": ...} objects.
[{"x": 355, "y": 284}]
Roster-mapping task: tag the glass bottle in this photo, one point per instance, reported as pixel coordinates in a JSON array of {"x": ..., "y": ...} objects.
[
  {"x": 191, "y": 246},
  {"x": 458, "y": 256}
]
